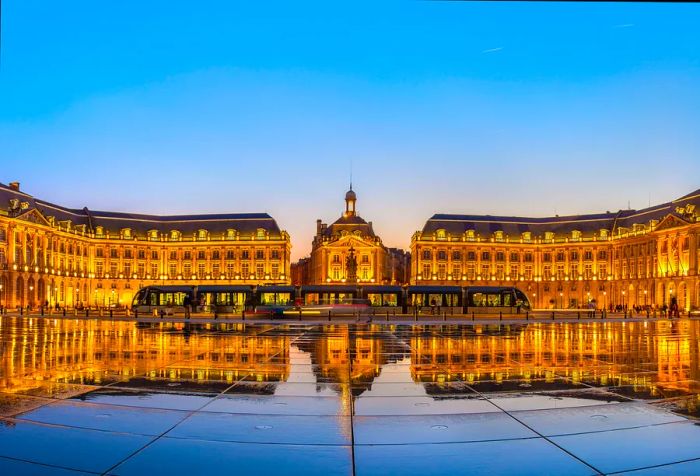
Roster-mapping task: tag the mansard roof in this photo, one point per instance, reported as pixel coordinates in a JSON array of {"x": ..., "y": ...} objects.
[
  {"x": 587, "y": 224},
  {"x": 140, "y": 224},
  {"x": 349, "y": 223}
]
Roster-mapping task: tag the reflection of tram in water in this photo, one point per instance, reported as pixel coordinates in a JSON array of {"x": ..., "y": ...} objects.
[{"x": 329, "y": 298}]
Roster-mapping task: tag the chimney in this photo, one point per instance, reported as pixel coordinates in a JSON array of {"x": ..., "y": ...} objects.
[
  {"x": 14, "y": 186},
  {"x": 318, "y": 227}
]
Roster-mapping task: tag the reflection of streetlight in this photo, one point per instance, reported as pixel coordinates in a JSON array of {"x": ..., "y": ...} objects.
[
  {"x": 561, "y": 300},
  {"x": 645, "y": 298},
  {"x": 1, "y": 296},
  {"x": 31, "y": 295},
  {"x": 623, "y": 299}
]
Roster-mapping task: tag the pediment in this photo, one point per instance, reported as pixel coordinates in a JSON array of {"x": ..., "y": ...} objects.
[
  {"x": 350, "y": 240},
  {"x": 671, "y": 221},
  {"x": 34, "y": 216}
]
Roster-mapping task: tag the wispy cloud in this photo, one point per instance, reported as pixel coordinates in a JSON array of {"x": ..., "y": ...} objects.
[
  {"x": 493, "y": 50},
  {"x": 624, "y": 25}
]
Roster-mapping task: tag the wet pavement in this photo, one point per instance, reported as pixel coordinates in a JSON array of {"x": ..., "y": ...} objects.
[{"x": 105, "y": 397}]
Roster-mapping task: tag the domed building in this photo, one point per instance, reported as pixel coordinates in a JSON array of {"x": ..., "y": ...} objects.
[{"x": 348, "y": 251}]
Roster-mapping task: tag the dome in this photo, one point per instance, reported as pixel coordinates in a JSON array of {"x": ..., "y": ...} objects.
[{"x": 350, "y": 195}]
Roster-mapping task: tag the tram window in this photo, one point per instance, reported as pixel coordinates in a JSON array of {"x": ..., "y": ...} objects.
[
  {"x": 493, "y": 300},
  {"x": 508, "y": 299}
]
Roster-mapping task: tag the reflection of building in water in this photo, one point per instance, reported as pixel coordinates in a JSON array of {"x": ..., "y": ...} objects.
[
  {"x": 48, "y": 350},
  {"x": 97, "y": 352},
  {"x": 607, "y": 354},
  {"x": 342, "y": 355}
]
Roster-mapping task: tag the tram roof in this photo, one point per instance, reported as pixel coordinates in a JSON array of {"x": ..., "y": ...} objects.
[
  {"x": 382, "y": 289},
  {"x": 329, "y": 288},
  {"x": 434, "y": 289},
  {"x": 276, "y": 289},
  {"x": 222, "y": 288}
]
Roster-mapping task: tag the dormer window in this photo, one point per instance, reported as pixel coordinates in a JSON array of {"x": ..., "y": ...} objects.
[
  {"x": 549, "y": 235},
  {"x": 202, "y": 235},
  {"x": 230, "y": 234},
  {"x": 470, "y": 235},
  {"x": 527, "y": 236},
  {"x": 175, "y": 235},
  {"x": 575, "y": 235},
  {"x": 153, "y": 235},
  {"x": 260, "y": 234},
  {"x": 99, "y": 231},
  {"x": 498, "y": 236},
  {"x": 126, "y": 233},
  {"x": 604, "y": 233},
  {"x": 441, "y": 234}
]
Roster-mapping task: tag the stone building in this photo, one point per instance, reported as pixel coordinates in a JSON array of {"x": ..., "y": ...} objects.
[
  {"x": 348, "y": 251},
  {"x": 629, "y": 257},
  {"x": 69, "y": 257}
]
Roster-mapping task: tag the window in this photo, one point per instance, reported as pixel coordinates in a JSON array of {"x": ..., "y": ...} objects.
[
  {"x": 113, "y": 269},
  {"x": 442, "y": 255},
  {"x": 172, "y": 270},
  {"x": 548, "y": 236},
  {"x": 485, "y": 271},
  {"x": 486, "y": 256},
  {"x": 514, "y": 272},
  {"x": 142, "y": 270},
  {"x": 216, "y": 270},
  {"x": 442, "y": 271},
  {"x": 456, "y": 272},
  {"x": 471, "y": 272},
  {"x": 201, "y": 254},
  {"x": 560, "y": 256},
  {"x": 547, "y": 272},
  {"x": 201, "y": 270},
  {"x": 259, "y": 254},
  {"x": 154, "y": 270},
  {"x": 245, "y": 270},
  {"x": 573, "y": 271},
  {"x": 514, "y": 257},
  {"x": 128, "y": 254},
  {"x": 187, "y": 270},
  {"x": 456, "y": 256},
  {"x": 215, "y": 255},
  {"x": 498, "y": 235},
  {"x": 471, "y": 255},
  {"x": 574, "y": 256},
  {"x": 99, "y": 253},
  {"x": 365, "y": 259},
  {"x": 229, "y": 254},
  {"x": 426, "y": 254},
  {"x": 470, "y": 235},
  {"x": 154, "y": 254},
  {"x": 127, "y": 270},
  {"x": 275, "y": 271},
  {"x": 259, "y": 271},
  {"x": 142, "y": 254},
  {"x": 99, "y": 270},
  {"x": 588, "y": 255},
  {"x": 528, "y": 272},
  {"x": 560, "y": 271},
  {"x": 275, "y": 254},
  {"x": 229, "y": 270},
  {"x": 575, "y": 235},
  {"x": 547, "y": 257},
  {"x": 602, "y": 271},
  {"x": 441, "y": 235},
  {"x": 426, "y": 271},
  {"x": 188, "y": 255},
  {"x": 587, "y": 271},
  {"x": 173, "y": 254},
  {"x": 335, "y": 259},
  {"x": 499, "y": 272},
  {"x": 500, "y": 256},
  {"x": 528, "y": 257},
  {"x": 245, "y": 254},
  {"x": 527, "y": 237},
  {"x": 602, "y": 254},
  {"x": 260, "y": 235}
]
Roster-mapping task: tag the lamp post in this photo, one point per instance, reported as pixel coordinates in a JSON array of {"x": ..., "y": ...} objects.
[
  {"x": 534, "y": 298},
  {"x": 605, "y": 299},
  {"x": 561, "y": 300},
  {"x": 645, "y": 298},
  {"x": 623, "y": 299},
  {"x": 31, "y": 295},
  {"x": 1, "y": 297}
]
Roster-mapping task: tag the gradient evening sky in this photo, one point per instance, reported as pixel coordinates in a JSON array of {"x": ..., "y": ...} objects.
[{"x": 173, "y": 107}]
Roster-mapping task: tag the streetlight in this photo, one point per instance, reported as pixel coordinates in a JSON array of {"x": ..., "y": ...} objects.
[
  {"x": 31, "y": 295},
  {"x": 605, "y": 300},
  {"x": 645, "y": 298},
  {"x": 561, "y": 300},
  {"x": 1, "y": 297},
  {"x": 623, "y": 299}
]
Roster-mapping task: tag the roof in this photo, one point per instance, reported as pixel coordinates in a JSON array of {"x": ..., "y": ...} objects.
[
  {"x": 587, "y": 224},
  {"x": 140, "y": 224},
  {"x": 350, "y": 224}
]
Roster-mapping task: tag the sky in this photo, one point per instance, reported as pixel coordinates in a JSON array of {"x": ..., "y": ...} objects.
[{"x": 171, "y": 107}]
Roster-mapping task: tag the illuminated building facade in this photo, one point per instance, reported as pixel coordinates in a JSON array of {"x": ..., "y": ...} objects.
[
  {"x": 50, "y": 253},
  {"x": 348, "y": 251},
  {"x": 631, "y": 257}
]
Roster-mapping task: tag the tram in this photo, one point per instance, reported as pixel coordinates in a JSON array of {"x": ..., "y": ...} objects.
[{"x": 329, "y": 298}]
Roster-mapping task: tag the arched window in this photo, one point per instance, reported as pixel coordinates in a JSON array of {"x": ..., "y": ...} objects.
[{"x": 441, "y": 234}]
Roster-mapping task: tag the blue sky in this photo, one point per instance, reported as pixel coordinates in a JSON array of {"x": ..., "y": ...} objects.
[{"x": 498, "y": 108}]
